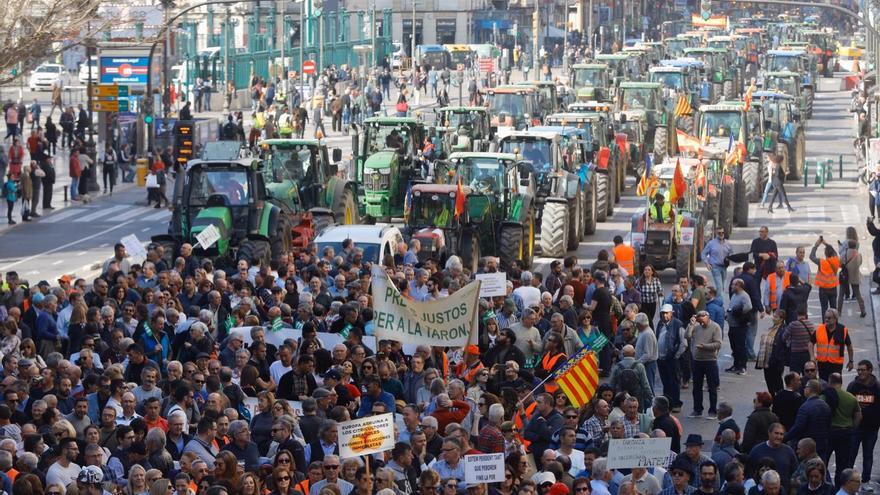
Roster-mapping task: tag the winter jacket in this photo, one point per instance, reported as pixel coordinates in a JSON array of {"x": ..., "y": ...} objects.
[
  {"x": 756, "y": 427},
  {"x": 813, "y": 420},
  {"x": 715, "y": 307}
]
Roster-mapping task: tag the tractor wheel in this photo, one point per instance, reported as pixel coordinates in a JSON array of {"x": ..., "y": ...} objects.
[
  {"x": 684, "y": 261},
  {"x": 252, "y": 250},
  {"x": 601, "y": 197},
  {"x": 661, "y": 138},
  {"x": 727, "y": 207},
  {"x": 528, "y": 249},
  {"x": 796, "y": 166},
  {"x": 612, "y": 188},
  {"x": 575, "y": 222},
  {"x": 808, "y": 92},
  {"x": 782, "y": 149},
  {"x": 282, "y": 239},
  {"x": 321, "y": 221},
  {"x": 510, "y": 245},
  {"x": 470, "y": 252},
  {"x": 752, "y": 180},
  {"x": 347, "y": 212},
  {"x": 729, "y": 92},
  {"x": 717, "y": 93},
  {"x": 554, "y": 234},
  {"x": 590, "y": 209}
]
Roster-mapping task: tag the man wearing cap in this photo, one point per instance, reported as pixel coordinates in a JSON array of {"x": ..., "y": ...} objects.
[
  {"x": 88, "y": 481},
  {"x": 705, "y": 340},
  {"x": 671, "y": 345},
  {"x": 681, "y": 474},
  {"x": 692, "y": 456},
  {"x": 468, "y": 369}
]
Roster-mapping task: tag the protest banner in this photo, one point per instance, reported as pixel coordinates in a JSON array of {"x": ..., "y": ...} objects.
[
  {"x": 133, "y": 247},
  {"x": 443, "y": 322},
  {"x": 628, "y": 453},
  {"x": 484, "y": 468},
  {"x": 366, "y": 436}
]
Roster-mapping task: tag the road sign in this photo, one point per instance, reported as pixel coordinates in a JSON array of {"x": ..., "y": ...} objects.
[
  {"x": 487, "y": 64},
  {"x": 110, "y": 91},
  {"x": 310, "y": 67},
  {"x": 109, "y": 105}
]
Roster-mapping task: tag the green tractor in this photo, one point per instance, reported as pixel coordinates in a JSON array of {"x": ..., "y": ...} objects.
[
  {"x": 387, "y": 161},
  {"x": 465, "y": 129},
  {"x": 730, "y": 128},
  {"x": 679, "y": 81},
  {"x": 501, "y": 196},
  {"x": 590, "y": 82},
  {"x": 644, "y": 102},
  {"x": 719, "y": 69},
  {"x": 791, "y": 83},
  {"x": 254, "y": 207},
  {"x": 561, "y": 195},
  {"x": 549, "y": 96},
  {"x": 783, "y": 130},
  {"x": 622, "y": 67}
]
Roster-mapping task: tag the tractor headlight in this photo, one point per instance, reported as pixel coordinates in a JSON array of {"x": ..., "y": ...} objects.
[{"x": 385, "y": 171}]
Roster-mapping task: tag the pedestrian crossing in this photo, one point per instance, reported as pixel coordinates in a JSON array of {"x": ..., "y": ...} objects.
[
  {"x": 109, "y": 213},
  {"x": 819, "y": 217}
]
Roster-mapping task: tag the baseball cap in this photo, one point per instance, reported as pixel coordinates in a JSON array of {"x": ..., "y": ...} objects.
[
  {"x": 666, "y": 308},
  {"x": 332, "y": 374},
  {"x": 545, "y": 477},
  {"x": 472, "y": 349},
  {"x": 38, "y": 297},
  {"x": 65, "y": 279},
  {"x": 91, "y": 475}
]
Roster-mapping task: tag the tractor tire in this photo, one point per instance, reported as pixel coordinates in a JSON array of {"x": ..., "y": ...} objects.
[
  {"x": 601, "y": 197},
  {"x": 612, "y": 188},
  {"x": 661, "y": 138},
  {"x": 729, "y": 91},
  {"x": 528, "y": 256},
  {"x": 254, "y": 250},
  {"x": 347, "y": 212},
  {"x": 751, "y": 176},
  {"x": 726, "y": 208},
  {"x": 320, "y": 221},
  {"x": 684, "y": 261},
  {"x": 510, "y": 245},
  {"x": 590, "y": 209},
  {"x": 470, "y": 252},
  {"x": 622, "y": 165},
  {"x": 808, "y": 92},
  {"x": 741, "y": 198},
  {"x": 717, "y": 92},
  {"x": 575, "y": 222},
  {"x": 798, "y": 155},
  {"x": 554, "y": 234},
  {"x": 282, "y": 238}
]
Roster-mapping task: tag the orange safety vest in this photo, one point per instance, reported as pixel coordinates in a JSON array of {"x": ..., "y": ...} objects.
[
  {"x": 826, "y": 350},
  {"x": 826, "y": 277},
  {"x": 625, "y": 257},
  {"x": 772, "y": 281},
  {"x": 547, "y": 364},
  {"x": 467, "y": 375},
  {"x": 520, "y": 425}
]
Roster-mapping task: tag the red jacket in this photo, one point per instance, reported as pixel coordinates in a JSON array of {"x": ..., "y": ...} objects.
[
  {"x": 454, "y": 414},
  {"x": 75, "y": 167}
]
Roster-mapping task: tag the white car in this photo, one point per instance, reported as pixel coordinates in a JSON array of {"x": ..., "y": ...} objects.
[
  {"x": 84, "y": 71},
  {"x": 377, "y": 241},
  {"x": 48, "y": 75},
  {"x": 397, "y": 55}
]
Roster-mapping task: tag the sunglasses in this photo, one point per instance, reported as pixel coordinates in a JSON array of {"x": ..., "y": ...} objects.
[
  {"x": 582, "y": 489},
  {"x": 571, "y": 416},
  {"x": 284, "y": 478},
  {"x": 452, "y": 485},
  {"x": 283, "y": 461},
  {"x": 332, "y": 467}
]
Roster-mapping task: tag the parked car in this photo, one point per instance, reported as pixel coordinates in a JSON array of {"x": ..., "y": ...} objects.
[
  {"x": 84, "y": 71},
  {"x": 377, "y": 241},
  {"x": 46, "y": 76}
]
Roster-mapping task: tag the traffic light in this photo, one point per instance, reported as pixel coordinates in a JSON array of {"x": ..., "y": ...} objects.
[
  {"x": 706, "y": 9},
  {"x": 148, "y": 109}
]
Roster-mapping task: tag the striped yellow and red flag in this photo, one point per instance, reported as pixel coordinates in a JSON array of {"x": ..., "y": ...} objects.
[
  {"x": 683, "y": 106},
  {"x": 748, "y": 97},
  {"x": 687, "y": 142},
  {"x": 579, "y": 376}
]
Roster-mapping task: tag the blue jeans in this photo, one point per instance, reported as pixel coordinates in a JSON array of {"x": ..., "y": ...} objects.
[
  {"x": 669, "y": 377},
  {"x": 751, "y": 331},
  {"x": 74, "y": 188},
  {"x": 867, "y": 440},
  {"x": 719, "y": 278},
  {"x": 709, "y": 371},
  {"x": 766, "y": 192},
  {"x": 651, "y": 370}
]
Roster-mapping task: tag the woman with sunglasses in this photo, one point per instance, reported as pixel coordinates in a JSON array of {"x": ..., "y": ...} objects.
[
  {"x": 429, "y": 483},
  {"x": 581, "y": 486},
  {"x": 282, "y": 482},
  {"x": 29, "y": 351},
  {"x": 284, "y": 459},
  {"x": 507, "y": 487}
]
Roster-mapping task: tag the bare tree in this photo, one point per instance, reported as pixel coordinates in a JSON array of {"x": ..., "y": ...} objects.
[{"x": 33, "y": 30}]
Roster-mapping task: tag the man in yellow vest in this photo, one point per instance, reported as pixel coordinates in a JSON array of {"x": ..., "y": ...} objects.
[
  {"x": 661, "y": 211},
  {"x": 624, "y": 256},
  {"x": 826, "y": 275},
  {"x": 773, "y": 286},
  {"x": 829, "y": 342}
]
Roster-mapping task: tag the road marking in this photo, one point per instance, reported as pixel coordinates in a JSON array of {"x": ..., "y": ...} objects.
[
  {"x": 62, "y": 215},
  {"x": 81, "y": 253},
  {"x": 132, "y": 213},
  {"x": 157, "y": 216},
  {"x": 815, "y": 212},
  {"x": 58, "y": 262},
  {"x": 100, "y": 213},
  {"x": 33, "y": 272},
  {"x": 65, "y": 246},
  {"x": 850, "y": 213},
  {"x": 146, "y": 229},
  {"x": 104, "y": 245}
]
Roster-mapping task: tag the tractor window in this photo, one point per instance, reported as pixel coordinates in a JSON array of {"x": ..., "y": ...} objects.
[
  {"x": 457, "y": 119},
  {"x": 509, "y": 104},
  {"x": 293, "y": 164},
  {"x": 721, "y": 124},
  {"x": 632, "y": 129},
  {"x": 784, "y": 114},
  {"x": 387, "y": 136},
  {"x": 536, "y": 151},
  {"x": 784, "y": 64},
  {"x": 435, "y": 210},
  {"x": 671, "y": 80},
  {"x": 786, "y": 85},
  {"x": 588, "y": 77},
  {"x": 636, "y": 98},
  {"x": 487, "y": 176},
  {"x": 230, "y": 183}
]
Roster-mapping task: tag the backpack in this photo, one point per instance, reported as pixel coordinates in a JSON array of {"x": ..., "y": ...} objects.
[{"x": 628, "y": 381}]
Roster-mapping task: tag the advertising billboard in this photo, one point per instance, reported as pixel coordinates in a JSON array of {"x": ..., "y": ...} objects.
[{"x": 123, "y": 70}]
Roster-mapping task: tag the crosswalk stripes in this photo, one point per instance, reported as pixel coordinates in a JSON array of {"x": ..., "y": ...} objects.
[
  {"x": 850, "y": 214},
  {"x": 134, "y": 213},
  {"x": 100, "y": 213},
  {"x": 63, "y": 215},
  {"x": 161, "y": 215}
]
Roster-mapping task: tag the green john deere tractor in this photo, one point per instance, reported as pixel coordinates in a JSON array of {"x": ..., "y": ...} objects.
[
  {"x": 720, "y": 70},
  {"x": 253, "y": 205},
  {"x": 644, "y": 102},
  {"x": 501, "y": 196},
  {"x": 465, "y": 129},
  {"x": 387, "y": 161},
  {"x": 590, "y": 82}
]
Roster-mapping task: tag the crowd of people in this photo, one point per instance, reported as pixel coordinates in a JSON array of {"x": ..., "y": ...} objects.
[{"x": 171, "y": 375}]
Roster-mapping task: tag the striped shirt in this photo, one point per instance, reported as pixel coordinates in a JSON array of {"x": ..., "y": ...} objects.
[
  {"x": 797, "y": 335},
  {"x": 651, "y": 290}
]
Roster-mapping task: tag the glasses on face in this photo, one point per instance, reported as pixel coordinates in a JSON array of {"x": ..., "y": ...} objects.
[
  {"x": 283, "y": 461},
  {"x": 809, "y": 370},
  {"x": 332, "y": 467},
  {"x": 284, "y": 478},
  {"x": 581, "y": 489},
  {"x": 571, "y": 416},
  {"x": 452, "y": 485}
]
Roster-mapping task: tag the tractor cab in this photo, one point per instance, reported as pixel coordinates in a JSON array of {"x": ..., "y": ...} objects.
[
  {"x": 619, "y": 66},
  {"x": 590, "y": 81},
  {"x": 466, "y": 129},
  {"x": 513, "y": 107},
  {"x": 304, "y": 162},
  {"x": 548, "y": 95}
]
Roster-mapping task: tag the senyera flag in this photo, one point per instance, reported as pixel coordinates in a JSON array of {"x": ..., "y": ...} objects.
[
  {"x": 579, "y": 376},
  {"x": 678, "y": 184}
]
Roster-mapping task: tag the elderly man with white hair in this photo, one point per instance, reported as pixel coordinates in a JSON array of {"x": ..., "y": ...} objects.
[
  {"x": 490, "y": 439},
  {"x": 530, "y": 295}
]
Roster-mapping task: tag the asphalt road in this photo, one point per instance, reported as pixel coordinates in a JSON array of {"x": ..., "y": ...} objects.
[{"x": 74, "y": 240}]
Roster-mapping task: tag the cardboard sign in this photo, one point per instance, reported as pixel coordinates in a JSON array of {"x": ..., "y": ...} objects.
[
  {"x": 492, "y": 284},
  {"x": 366, "y": 436},
  {"x": 208, "y": 237},
  {"x": 484, "y": 468},
  {"x": 630, "y": 453},
  {"x": 133, "y": 247},
  {"x": 687, "y": 236}
]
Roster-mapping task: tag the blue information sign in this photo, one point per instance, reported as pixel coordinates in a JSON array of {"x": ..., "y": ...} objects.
[{"x": 124, "y": 70}]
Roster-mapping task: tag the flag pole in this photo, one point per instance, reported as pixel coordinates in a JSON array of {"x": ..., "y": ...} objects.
[{"x": 550, "y": 375}]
